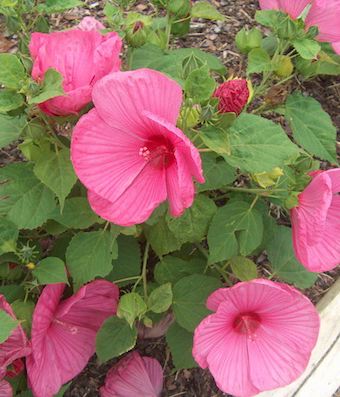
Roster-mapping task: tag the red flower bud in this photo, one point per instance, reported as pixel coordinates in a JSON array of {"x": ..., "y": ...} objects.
[{"x": 233, "y": 96}]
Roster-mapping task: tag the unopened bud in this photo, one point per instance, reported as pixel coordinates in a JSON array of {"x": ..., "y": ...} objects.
[
  {"x": 285, "y": 66},
  {"x": 30, "y": 266},
  {"x": 233, "y": 96},
  {"x": 266, "y": 179},
  {"x": 136, "y": 34},
  {"x": 246, "y": 40}
]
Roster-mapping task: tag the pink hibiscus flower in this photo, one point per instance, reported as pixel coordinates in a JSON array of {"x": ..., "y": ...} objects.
[
  {"x": 316, "y": 222},
  {"x": 134, "y": 376},
  {"x": 128, "y": 152},
  {"x": 259, "y": 338},
  {"x": 16, "y": 345},
  {"x": 292, "y": 7},
  {"x": 82, "y": 55},
  {"x": 64, "y": 333},
  {"x": 90, "y": 23}
]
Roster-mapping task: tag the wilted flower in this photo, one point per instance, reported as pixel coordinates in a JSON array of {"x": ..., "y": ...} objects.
[
  {"x": 316, "y": 222},
  {"x": 90, "y": 23},
  {"x": 82, "y": 57},
  {"x": 134, "y": 376},
  {"x": 233, "y": 96},
  {"x": 259, "y": 338},
  {"x": 64, "y": 333},
  {"x": 128, "y": 152}
]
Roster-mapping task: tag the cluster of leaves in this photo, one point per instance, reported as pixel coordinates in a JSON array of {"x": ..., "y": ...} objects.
[{"x": 49, "y": 234}]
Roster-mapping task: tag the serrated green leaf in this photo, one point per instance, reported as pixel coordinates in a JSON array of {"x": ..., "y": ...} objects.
[
  {"x": 216, "y": 139},
  {"x": 312, "y": 126},
  {"x": 55, "y": 170},
  {"x": 51, "y": 271},
  {"x": 131, "y": 307},
  {"x": 180, "y": 342},
  {"x": 10, "y": 100},
  {"x": 307, "y": 48},
  {"x": 27, "y": 202},
  {"x": 8, "y": 324},
  {"x": 243, "y": 268},
  {"x": 259, "y": 61},
  {"x": 284, "y": 263},
  {"x": 189, "y": 297},
  {"x": 8, "y": 236},
  {"x": 12, "y": 71},
  {"x": 52, "y": 86},
  {"x": 235, "y": 229},
  {"x": 199, "y": 85},
  {"x": 54, "y": 6},
  {"x": 11, "y": 128},
  {"x": 258, "y": 144},
  {"x": 160, "y": 299},
  {"x": 89, "y": 255},
  {"x": 115, "y": 338},
  {"x": 203, "y": 9}
]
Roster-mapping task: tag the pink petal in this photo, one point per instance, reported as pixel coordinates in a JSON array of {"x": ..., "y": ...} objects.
[
  {"x": 5, "y": 389},
  {"x": 336, "y": 47},
  {"x": 134, "y": 376},
  {"x": 325, "y": 14},
  {"x": 16, "y": 345},
  {"x": 120, "y": 98},
  {"x": 90, "y": 23},
  {"x": 294, "y": 8},
  {"x": 106, "y": 56},
  {"x": 63, "y": 334},
  {"x": 269, "y": 4}
]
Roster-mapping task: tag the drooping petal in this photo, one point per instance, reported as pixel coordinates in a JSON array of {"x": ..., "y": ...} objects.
[
  {"x": 134, "y": 376},
  {"x": 5, "y": 389},
  {"x": 325, "y": 14},
  {"x": 90, "y": 23},
  {"x": 106, "y": 56},
  {"x": 120, "y": 98},
  {"x": 63, "y": 334},
  {"x": 16, "y": 345}
]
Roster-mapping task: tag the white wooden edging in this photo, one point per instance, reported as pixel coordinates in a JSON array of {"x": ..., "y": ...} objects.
[{"x": 322, "y": 376}]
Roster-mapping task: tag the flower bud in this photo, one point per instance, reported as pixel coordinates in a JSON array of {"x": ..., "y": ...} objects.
[
  {"x": 266, "y": 179},
  {"x": 30, "y": 266},
  {"x": 136, "y": 34},
  {"x": 181, "y": 29},
  {"x": 189, "y": 116},
  {"x": 285, "y": 66},
  {"x": 246, "y": 40},
  {"x": 179, "y": 8},
  {"x": 233, "y": 95}
]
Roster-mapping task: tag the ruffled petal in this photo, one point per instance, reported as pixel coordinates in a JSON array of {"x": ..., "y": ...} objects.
[
  {"x": 155, "y": 373},
  {"x": 120, "y": 98},
  {"x": 5, "y": 389},
  {"x": 336, "y": 47},
  {"x": 90, "y": 23},
  {"x": 107, "y": 55}
]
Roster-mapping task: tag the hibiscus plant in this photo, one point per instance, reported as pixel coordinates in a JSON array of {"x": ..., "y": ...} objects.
[{"x": 155, "y": 194}]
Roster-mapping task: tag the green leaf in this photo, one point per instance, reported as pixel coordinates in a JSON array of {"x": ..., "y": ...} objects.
[
  {"x": 216, "y": 171},
  {"x": 235, "y": 229},
  {"x": 307, "y": 48},
  {"x": 55, "y": 170},
  {"x": 10, "y": 100},
  {"x": 12, "y": 292},
  {"x": 11, "y": 128},
  {"x": 180, "y": 342},
  {"x": 128, "y": 263},
  {"x": 8, "y": 324},
  {"x": 259, "y": 61},
  {"x": 190, "y": 295},
  {"x": 171, "y": 269},
  {"x": 24, "y": 313},
  {"x": 54, "y": 6},
  {"x": 312, "y": 126},
  {"x": 12, "y": 71},
  {"x": 285, "y": 265},
  {"x": 203, "y": 9},
  {"x": 76, "y": 214},
  {"x": 258, "y": 144},
  {"x": 115, "y": 338},
  {"x": 27, "y": 202},
  {"x": 161, "y": 238},
  {"x": 160, "y": 299},
  {"x": 243, "y": 268},
  {"x": 89, "y": 255},
  {"x": 216, "y": 139},
  {"x": 199, "y": 85},
  {"x": 131, "y": 307},
  {"x": 193, "y": 225},
  {"x": 8, "y": 236},
  {"x": 51, "y": 271},
  {"x": 270, "y": 18},
  {"x": 52, "y": 86}
]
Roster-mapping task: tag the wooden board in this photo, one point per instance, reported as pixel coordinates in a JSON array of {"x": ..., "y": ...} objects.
[{"x": 322, "y": 376}]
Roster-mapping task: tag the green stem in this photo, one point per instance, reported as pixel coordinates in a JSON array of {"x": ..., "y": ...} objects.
[
  {"x": 144, "y": 270},
  {"x": 122, "y": 280}
]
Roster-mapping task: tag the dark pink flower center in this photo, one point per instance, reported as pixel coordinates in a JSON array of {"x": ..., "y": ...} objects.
[
  {"x": 158, "y": 152},
  {"x": 247, "y": 323}
]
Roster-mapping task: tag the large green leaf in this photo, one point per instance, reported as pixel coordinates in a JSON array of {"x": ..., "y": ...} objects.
[
  {"x": 307, "y": 48},
  {"x": 180, "y": 342},
  {"x": 193, "y": 225},
  {"x": 203, "y": 9},
  {"x": 89, "y": 255},
  {"x": 51, "y": 87},
  {"x": 285, "y": 265},
  {"x": 10, "y": 128},
  {"x": 26, "y": 201},
  {"x": 10, "y": 100},
  {"x": 55, "y": 170},
  {"x": 51, "y": 270},
  {"x": 8, "y": 236},
  {"x": 258, "y": 144},
  {"x": 312, "y": 126},
  {"x": 53, "y": 6},
  {"x": 131, "y": 307},
  {"x": 160, "y": 299},
  {"x": 115, "y": 338},
  {"x": 259, "y": 61},
  {"x": 12, "y": 292},
  {"x": 235, "y": 229},
  {"x": 189, "y": 297},
  {"x": 243, "y": 268},
  {"x": 8, "y": 324},
  {"x": 12, "y": 71}
]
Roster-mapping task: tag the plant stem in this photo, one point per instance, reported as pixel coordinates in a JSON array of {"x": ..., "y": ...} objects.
[
  {"x": 122, "y": 280},
  {"x": 144, "y": 269}
]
